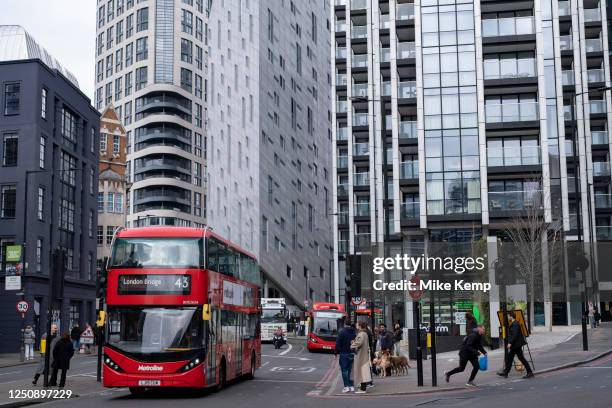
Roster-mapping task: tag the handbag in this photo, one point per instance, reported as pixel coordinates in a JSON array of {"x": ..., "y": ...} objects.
[{"x": 483, "y": 362}]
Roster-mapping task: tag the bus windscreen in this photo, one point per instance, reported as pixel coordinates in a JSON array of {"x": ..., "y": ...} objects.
[{"x": 157, "y": 253}]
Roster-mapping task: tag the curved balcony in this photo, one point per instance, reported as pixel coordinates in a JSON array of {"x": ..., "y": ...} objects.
[
  {"x": 163, "y": 103},
  {"x": 164, "y": 163},
  {"x": 156, "y": 194}
]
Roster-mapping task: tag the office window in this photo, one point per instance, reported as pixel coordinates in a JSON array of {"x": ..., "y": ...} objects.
[
  {"x": 129, "y": 26},
  {"x": 109, "y": 37},
  {"x": 186, "y": 79},
  {"x": 110, "y": 202},
  {"x": 103, "y": 138},
  {"x": 11, "y": 98},
  {"x": 66, "y": 218},
  {"x": 118, "y": 203},
  {"x": 142, "y": 19},
  {"x": 141, "y": 78},
  {"x": 109, "y": 93},
  {"x": 128, "y": 84},
  {"x": 39, "y": 250},
  {"x": 129, "y": 55},
  {"x": 298, "y": 58},
  {"x": 199, "y": 30},
  {"x": 110, "y": 230},
  {"x": 92, "y": 140},
  {"x": 68, "y": 169},
  {"x": 118, "y": 88},
  {"x": 198, "y": 86},
  {"x": 119, "y": 60},
  {"x": 8, "y": 201},
  {"x": 43, "y": 103},
  {"x": 116, "y": 144},
  {"x": 42, "y": 151},
  {"x": 40, "y": 209},
  {"x": 119, "y": 32},
  {"x": 10, "y": 149},
  {"x": 100, "y": 235},
  {"x": 186, "y": 21},
  {"x": 199, "y": 57},
  {"x": 142, "y": 51},
  {"x": 186, "y": 50},
  {"x": 264, "y": 233},
  {"x": 127, "y": 113},
  {"x": 69, "y": 125}
]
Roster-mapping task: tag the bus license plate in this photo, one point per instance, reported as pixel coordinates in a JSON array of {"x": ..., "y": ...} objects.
[
  {"x": 149, "y": 383},
  {"x": 327, "y": 348}
]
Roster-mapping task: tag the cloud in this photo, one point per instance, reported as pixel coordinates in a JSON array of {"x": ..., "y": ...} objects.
[{"x": 66, "y": 28}]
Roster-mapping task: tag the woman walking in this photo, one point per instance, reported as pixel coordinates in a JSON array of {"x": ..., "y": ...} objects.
[
  {"x": 62, "y": 353},
  {"x": 29, "y": 338},
  {"x": 361, "y": 364}
]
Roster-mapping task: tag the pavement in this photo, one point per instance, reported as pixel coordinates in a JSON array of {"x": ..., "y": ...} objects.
[{"x": 294, "y": 377}]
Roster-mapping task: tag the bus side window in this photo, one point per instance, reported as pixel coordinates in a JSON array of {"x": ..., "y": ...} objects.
[{"x": 212, "y": 254}]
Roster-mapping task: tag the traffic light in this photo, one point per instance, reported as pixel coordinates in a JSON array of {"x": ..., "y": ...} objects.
[
  {"x": 58, "y": 273},
  {"x": 102, "y": 280}
]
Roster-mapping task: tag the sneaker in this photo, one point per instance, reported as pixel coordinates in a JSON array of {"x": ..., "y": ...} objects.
[
  {"x": 470, "y": 384},
  {"x": 528, "y": 375},
  {"x": 446, "y": 376},
  {"x": 370, "y": 386},
  {"x": 360, "y": 391},
  {"x": 352, "y": 389},
  {"x": 502, "y": 374},
  {"x": 346, "y": 389}
]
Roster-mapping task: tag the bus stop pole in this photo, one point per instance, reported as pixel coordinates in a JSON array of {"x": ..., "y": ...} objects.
[
  {"x": 419, "y": 350},
  {"x": 432, "y": 333}
]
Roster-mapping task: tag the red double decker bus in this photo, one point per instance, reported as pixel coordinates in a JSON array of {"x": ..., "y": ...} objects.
[
  {"x": 324, "y": 324},
  {"x": 183, "y": 310}
]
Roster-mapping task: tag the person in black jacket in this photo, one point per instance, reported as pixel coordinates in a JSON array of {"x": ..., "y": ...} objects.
[
  {"x": 516, "y": 341},
  {"x": 472, "y": 346},
  {"x": 343, "y": 347},
  {"x": 62, "y": 353}
]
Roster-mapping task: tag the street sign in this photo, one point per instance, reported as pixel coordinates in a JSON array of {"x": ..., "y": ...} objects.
[
  {"x": 23, "y": 306},
  {"x": 417, "y": 293},
  {"x": 12, "y": 283},
  {"x": 357, "y": 300},
  {"x": 13, "y": 253}
]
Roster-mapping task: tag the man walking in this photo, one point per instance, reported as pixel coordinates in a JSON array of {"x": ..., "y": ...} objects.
[
  {"x": 343, "y": 347},
  {"x": 516, "y": 341},
  {"x": 472, "y": 346}
]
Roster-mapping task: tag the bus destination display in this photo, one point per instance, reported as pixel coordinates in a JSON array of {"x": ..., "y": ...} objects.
[{"x": 154, "y": 285}]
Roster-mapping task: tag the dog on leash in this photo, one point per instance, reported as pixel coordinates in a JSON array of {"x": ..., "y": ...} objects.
[{"x": 398, "y": 364}]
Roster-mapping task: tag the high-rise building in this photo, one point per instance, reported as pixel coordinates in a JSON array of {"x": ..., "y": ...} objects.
[
  {"x": 453, "y": 117},
  {"x": 112, "y": 182},
  {"x": 151, "y": 65},
  {"x": 48, "y": 180},
  {"x": 269, "y": 139}
]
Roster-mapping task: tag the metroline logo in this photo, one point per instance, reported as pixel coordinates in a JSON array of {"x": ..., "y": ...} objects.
[{"x": 150, "y": 368}]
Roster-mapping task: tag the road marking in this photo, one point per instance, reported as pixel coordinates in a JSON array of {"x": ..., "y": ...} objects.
[
  {"x": 286, "y": 351},
  {"x": 293, "y": 369},
  {"x": 296, "y": 358},
  {"x": 12, "y": 372},
  {"x": 288, "y": 381},
  {"x": 264, "y": 364}
]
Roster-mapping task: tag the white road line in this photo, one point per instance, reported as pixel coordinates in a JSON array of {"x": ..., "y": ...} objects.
[
  {"x": 288, "y": 381},
  {"x": 296, "y": 358},
  {"x": 12, "y": 372},
  {"x": 286, "y": 351}
]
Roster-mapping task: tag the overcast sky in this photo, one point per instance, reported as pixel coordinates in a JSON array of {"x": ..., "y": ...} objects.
[{"x": 66, "y": 28}]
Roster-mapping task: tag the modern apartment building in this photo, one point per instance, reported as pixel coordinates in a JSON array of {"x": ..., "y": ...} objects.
[
  {"x": 452, "y": 117},
  {"x": 151, "y": 65},
  {"x": 112, "y": 182},
  {"x": 269, "y": 140},
  {"x": 48, "y": 180}
]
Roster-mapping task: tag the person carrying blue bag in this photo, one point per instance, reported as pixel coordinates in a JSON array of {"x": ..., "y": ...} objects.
[{"x": 470, "y": 349}]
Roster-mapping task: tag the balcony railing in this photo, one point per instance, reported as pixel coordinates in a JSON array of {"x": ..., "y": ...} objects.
[
  {"x": 597, "y": 106},
  {"x": 363, "y": 240},
  {"x": 359, "y": 31},
  {"x": 360, "y": 90},
  {"x": 408, "y": 129},
  {"x": 340, "y": 79},
  {"x": 359, "y": 4},
  {"x": 404, "y": 11},
  {"x": 362, "y": 179},
  {"x": 360, "y": 119},
  {"x": 341, "y": 133},
  {"x": 343, "y": 189},
  {"x": 341, "y": 52},
  {"x": 409, "y": 169},
  {"x": 339, "y": 2},
  {"x": 593, "y": 45},
  {"x": 410, "y": 210},
  {"x": 361, "y": 149},
  {"x": 568, "y": 112},
  {"x": 603, "y": 200},
  {"x": 340, "y": 26},
  {"x": 406, "y": 50},
  {"x": 343, "y": 246},
  {"x": 511, "y": 112},
  {"x": 343, "y": 217},
  {"x": 385, "y": 54},
  {"x": 592, "y": 15},
  {"x": 513, "y": 156},
  {"x": 342, "y": 162},
  {"x": 507, "y": 26},
  {"x": 599, "y": 137},
  {"x": 385, "y": 89},
  {"x": 565, "y": 8},
  {"x": 596, "y": 75},
  {"x": 603, "y": 233},
  {"x": 360, "y": 61},
  {"x": 510, "y": 68},
  {"x": 341, "y": 106},
  {"x": 406, "y": 89},
  {"x": 384, "y": 21},
  {"x": 571, "y": 184},
  {"x": 362, "y": 209},
  {"x": 601, "y": 168},
  {"x": 514, "y": 200},
  {"x": 566, "y": 42},
  {"x": 567, "y": 77}
]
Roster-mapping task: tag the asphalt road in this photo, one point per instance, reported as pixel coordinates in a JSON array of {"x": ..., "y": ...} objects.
[{"x": 295, "y": 378}]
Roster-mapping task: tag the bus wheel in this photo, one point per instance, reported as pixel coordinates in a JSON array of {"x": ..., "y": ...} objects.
[
  {"x": 222, "y": 376},
  {"x": 251, "y": 374},
  {"x": 136, "y": 390}
]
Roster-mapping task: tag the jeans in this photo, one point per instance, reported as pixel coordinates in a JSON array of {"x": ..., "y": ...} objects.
[
  {"x": 76, "y": 344},
  {"x": 396, "y": 348},
  {"x": 346, "y": 365},
  {"x": 29, "y": 351},
  {"x": 462, "y": 363}
]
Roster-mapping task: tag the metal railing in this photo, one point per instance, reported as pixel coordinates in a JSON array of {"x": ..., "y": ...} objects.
[
  {"x": 385, "y": 89},
  {"x": 522, "y": 68},
  {"x": 567, "y": 77},
  {"x": 603, "y": 200},
  {"x": 566, "y": 42},
  {"x": 360, "y": 119},
  {"x": 384, "y": 21},
  {"x": 513, "y": 156},
  {"x": 592, "y": 15},
  {"x": 359, "y": 4},
  {"x": 361, "y": 179},
  {"x": 362, "y": 209},
  {"x": 568, "y": 112},
  {"x": 339, "y": 2},
  {"x": 360, "y": 90},
  {"x": 359, "y": 61},
  {"x": 340, "y": 79},
  {"x": 343, "y": 246},
  {"x": 341, "y": 106},
  {"x": 385, "y": 54},
  {"x": 515, "y": 200},
  {"x": 410, "y": 210},
  {"x": 359, "y": 31},
  {"x": 571, "y": 184},
  {"x": 408, "y": 129},
  {"x": 361, "y": 149},
  {"x": 341, "y": 133},
  {"x": 596, "y": 75},
  {"x": 404, "y": 11},
  {"x": 406, "y": 89},
  {"x": 409, "y": 169},
  {"x": 341, "y": 52},
  {"x": 499, "y": 27},
  {"x": 343, "y": 189},
  {"x": 406, "y": 50},
  {"x": 363, "y": 240},
  {"x": 603, "y": 232},
  {"x": 599, "y": 137},
  {"x": 593, "y": 45},
  {"x": 340, "y": 26},
  {"x": 343, "y": 217},
  {"x": 565, "y": 8},
  {"x": 511, "y": 112},
  {"x": 601, "y": 168},
  {"x": 597, "y": 106},
  {"x": 342, "y": 162}
]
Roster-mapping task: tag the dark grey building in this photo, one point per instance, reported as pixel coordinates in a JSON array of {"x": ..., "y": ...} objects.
[{"x": 49, "y": 135}]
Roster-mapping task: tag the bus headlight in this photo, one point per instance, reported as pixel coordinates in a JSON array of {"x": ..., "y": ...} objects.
[
  {"x": 111, "y": 364},
  {"x": 312, "y": 339},
  {"x": 193, "y": 363}
]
